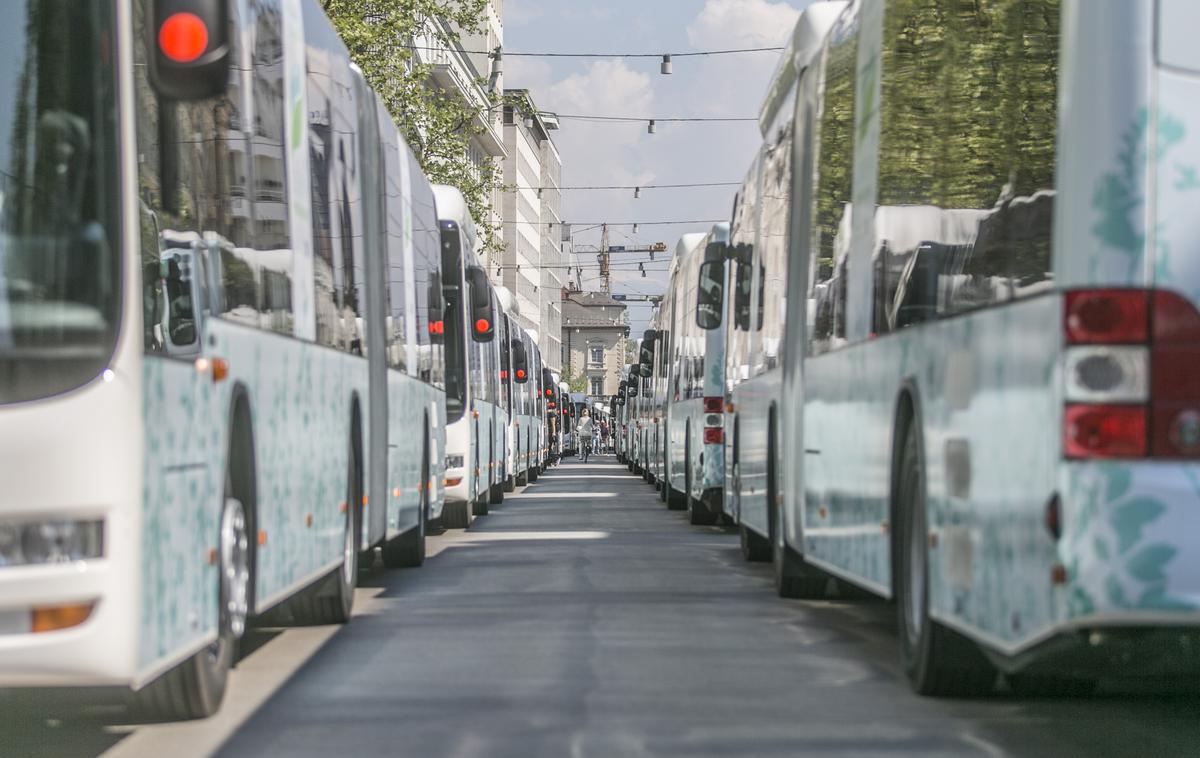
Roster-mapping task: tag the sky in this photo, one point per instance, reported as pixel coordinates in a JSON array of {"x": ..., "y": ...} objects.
[{"x": 624, "y": 153}]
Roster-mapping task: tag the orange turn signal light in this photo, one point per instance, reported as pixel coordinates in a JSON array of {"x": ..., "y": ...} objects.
[{"x": 57, "y": 617}]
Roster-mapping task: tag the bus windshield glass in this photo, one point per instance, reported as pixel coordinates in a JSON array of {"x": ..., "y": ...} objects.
[
  {"x": 456, "y": 346},
  {"x": 59, "y": 189}
]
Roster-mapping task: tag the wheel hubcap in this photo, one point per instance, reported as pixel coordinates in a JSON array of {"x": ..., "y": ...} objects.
[
  {"x": 915, "y": 556},
  {"x": 349, "y": 550},
  {"x": 235, "y": 567}
]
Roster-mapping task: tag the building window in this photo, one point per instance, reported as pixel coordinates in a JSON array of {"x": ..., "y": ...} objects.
[
  {"x": 596, "y": 354},
  {"x": 597, "y": 385}
]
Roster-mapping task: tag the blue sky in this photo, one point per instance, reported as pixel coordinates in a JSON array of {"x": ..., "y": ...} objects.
[{"x": 618, "y": 153}]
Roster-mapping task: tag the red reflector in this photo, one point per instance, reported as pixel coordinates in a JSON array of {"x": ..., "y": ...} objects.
[
  {"x": 714, "y": 404},
  {"x": 1104, "y": 431},
  {"x": 1106, "y": 316},
  {"x": 482, "y": 325},
  {"x": 183, "y": 37},
  {"x": 714, "y": 436}
]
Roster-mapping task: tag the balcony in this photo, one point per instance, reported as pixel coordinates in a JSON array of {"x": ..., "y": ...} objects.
[{"x": 453, "y": 73}]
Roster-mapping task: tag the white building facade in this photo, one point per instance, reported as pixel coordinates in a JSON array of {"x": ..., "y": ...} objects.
[{"x": 533, "y": 231}]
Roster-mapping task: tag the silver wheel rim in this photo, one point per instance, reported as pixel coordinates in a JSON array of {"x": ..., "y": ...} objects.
[
  {"x": 349, "y": 548},
  {"x": 914, "y": 609},
  {"x": 235, "y": 567}
]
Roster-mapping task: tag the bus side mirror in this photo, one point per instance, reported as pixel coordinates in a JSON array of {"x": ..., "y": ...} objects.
[
  {"x": 710, "y": 292},
  {"x": 520, "y": 362},
  {"x": 190, "y": 40},
  {"x": 646, "y": 355},
  {"x": 483, "y": 314}
]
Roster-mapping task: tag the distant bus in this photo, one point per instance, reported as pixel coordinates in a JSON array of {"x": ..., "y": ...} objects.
[
  {"x": 475, "y": 420},
  {"x": 220, "y": 381},
  {"x": 692, "y": 345},
  {"x": 973, "y": 388}
]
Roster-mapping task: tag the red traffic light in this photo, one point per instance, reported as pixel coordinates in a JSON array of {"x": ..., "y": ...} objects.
[
  {"x": 482, "y": 325},
  {"x": 183, "y": 37}
]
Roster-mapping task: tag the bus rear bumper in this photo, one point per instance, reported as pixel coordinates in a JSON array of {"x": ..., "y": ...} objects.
[
  {"x": 1123, "y": 650},
  {"x": 91, "y": 649}
]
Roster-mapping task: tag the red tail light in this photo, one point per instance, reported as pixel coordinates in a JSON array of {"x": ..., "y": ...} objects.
[
  {"x": 1104, "y": 431},
  {"x": 1107, "y": 317},
  {"x": 482, "y": 325},
  {"x": 503, "y": 373},
  {"x": 714, "y": 404},
  {"x": 520, "y": 373},
  {"x": 437, "y": 327},
  {"x": 1175, "y": 378},
  {"x": 714, "y": 436}
]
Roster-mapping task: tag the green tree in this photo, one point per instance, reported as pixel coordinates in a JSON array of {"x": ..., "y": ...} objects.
[
  {"x": 437, "y": 125},
  {"x": 576, "y": 382}
]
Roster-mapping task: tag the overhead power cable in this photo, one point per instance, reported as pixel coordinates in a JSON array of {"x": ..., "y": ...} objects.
[
  {"x": 634, "y": 186},
  {"x": 614, "y": 223},
  {"x": 689, "y": 54},
  {"x": 651, "y": 119}
]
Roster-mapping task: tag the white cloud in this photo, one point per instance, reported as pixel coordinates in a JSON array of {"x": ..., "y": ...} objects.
[{"x": 742, "y": 23}]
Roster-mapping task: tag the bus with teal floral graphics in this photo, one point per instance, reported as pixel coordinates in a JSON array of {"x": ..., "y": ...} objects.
[
  {"x": 477, "y": 423},
  {"x": 988, "y": 334},
  {"x": 693, "y": 357},
  {"x": 221, "y": 370}
]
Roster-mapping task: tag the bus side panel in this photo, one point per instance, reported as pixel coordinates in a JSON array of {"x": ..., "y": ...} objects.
[{"x": 753, "y": 402}]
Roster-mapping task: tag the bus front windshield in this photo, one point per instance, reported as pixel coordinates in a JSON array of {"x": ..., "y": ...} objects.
[{"x": 59, "y": 189}]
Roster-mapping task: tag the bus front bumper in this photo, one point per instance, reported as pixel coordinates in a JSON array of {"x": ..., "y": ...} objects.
[{"x": 62, "y": 625}]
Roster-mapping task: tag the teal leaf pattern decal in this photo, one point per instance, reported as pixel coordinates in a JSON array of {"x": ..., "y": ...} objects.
[
  {"x": 1129, "y": 517},
  {"x": 1148, "y": 563}
]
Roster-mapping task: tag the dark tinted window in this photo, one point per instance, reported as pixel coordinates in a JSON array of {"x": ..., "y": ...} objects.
[
  {"x": 834, "y": 172},
  {"x": 966, "y": 167}
]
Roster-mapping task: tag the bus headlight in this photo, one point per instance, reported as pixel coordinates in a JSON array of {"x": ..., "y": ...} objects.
[
  {"x": 454, "y": 461},
  {"x": 38, "y": 542}
]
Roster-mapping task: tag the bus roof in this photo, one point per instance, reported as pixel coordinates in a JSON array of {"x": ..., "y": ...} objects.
[
  {"x": 452, "y": 206},
  {"x": 807, "y": 36}
]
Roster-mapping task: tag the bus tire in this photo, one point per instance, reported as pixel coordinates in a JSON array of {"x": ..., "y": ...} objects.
[
  {"x": 938, "y": 661},
  {"x": 664, "y": 487},
  {"x": 408, "y": 549},
  {"x": 496, "y": 493},
  {"x": 534, "y": 473},
  {"x": 331, "y": 600},
  {"x": 456, "y": 515},
  {"x": 195, "y": 688},
  {"x": 794, "y": 578},
  {"x": 755, "y": 547}
]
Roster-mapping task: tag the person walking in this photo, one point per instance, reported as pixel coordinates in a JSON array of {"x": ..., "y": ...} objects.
[{"x": 584, "y": 432}]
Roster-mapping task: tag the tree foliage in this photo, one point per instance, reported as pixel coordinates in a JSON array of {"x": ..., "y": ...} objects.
[
  {"x": 576, "y": 382},
  {"x": 438, "y": 125}
]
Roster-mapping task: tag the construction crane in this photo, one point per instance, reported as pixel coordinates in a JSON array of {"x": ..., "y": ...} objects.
[{"x": 606, "y": 251}]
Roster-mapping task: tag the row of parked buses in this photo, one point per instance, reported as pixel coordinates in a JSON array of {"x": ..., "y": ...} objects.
[
  {"x": 323, "y": 369},
  {"x": 946, "y": 349}
]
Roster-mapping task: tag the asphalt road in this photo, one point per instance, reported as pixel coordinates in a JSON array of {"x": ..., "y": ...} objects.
[{"x": 582, "y": 618}]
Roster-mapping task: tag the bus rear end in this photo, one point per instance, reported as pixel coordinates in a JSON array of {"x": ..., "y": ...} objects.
[{"x": 1127, "y": 521}]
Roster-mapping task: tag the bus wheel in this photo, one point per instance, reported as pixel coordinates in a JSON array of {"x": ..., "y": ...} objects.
[
  {"x": 937, "y": 660},
  {"x": 195, "y": 688},
  {"x": 408, "y": 550},
  {"x": 497, "y": 490},
  {"x": 793, "y": 577},
  {"x": 755, "y": 547},
  {"x": 456, "y": 515}
]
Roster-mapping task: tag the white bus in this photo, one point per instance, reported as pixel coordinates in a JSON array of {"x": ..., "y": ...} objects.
[
  {"x": 200, "y": 372},
  {"x": 988, "y": 408},
  {"x": 693, "y": 350},
  {"x": 476, "y": 422}
]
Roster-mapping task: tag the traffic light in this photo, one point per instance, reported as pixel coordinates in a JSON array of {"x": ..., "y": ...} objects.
[{"x": 191, "y": 48}]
